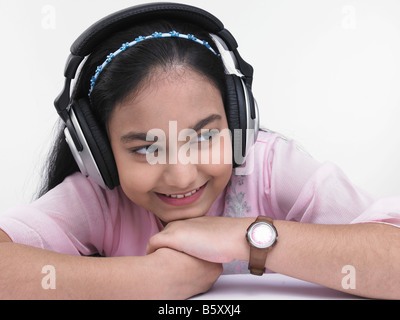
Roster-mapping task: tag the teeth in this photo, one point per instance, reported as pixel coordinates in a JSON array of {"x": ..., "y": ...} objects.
[{"x": 182, "y": 196}]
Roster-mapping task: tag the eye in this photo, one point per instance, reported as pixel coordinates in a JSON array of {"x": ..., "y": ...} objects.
[
  {"x": 207, "y": 135},
  {"x": 142, "y": 151}
]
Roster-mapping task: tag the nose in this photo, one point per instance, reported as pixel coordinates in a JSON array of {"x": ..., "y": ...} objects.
[{"x": 180, "y": 177}]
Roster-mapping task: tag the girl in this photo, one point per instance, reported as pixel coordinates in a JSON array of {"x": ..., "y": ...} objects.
[{"x": 170, "y": 228}]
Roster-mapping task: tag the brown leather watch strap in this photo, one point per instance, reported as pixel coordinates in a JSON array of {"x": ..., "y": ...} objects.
[{"x": 257, "y": 260}]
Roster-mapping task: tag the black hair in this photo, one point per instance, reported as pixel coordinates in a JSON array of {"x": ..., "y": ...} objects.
[{"x": 125, "y": 74}]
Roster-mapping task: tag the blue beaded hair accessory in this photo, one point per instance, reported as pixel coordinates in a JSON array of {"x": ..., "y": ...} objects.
[{"x": 156, "y": 35}]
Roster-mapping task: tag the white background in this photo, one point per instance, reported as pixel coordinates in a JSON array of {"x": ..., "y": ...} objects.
[{"x": 327, "y": 74}]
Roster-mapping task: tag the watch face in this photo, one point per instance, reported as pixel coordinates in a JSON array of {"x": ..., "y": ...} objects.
[{"x": 262, "y": 235}]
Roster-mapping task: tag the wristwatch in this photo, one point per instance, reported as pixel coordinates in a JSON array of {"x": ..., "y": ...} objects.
[{"x": 261, "y": 236}]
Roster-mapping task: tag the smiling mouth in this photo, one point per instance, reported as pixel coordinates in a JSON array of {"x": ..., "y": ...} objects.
[{"x": 181, "y": 196}]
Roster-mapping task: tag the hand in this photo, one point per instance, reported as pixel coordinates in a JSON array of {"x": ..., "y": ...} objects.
[
  {"x": 183, "y": 276},
  {"x": 215, "y": 239}
]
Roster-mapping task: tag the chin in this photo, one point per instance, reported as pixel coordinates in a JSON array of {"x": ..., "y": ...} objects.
[{"x": 182, "y": 213}]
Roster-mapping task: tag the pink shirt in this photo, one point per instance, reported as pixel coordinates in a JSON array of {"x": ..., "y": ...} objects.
[{"x": 78, "y": 217}]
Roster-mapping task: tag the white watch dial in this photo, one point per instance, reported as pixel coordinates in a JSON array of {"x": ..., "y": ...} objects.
[{"x": 262, "y": 235}]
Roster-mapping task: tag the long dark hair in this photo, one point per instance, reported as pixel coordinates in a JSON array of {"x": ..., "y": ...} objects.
[{"x": 124, "y": 76}]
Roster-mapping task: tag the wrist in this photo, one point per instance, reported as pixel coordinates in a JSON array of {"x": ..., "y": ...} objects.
[{"x": 241, "y": 244}]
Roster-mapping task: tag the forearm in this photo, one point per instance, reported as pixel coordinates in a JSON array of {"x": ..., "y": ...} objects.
[
  {"x": 320, "y": 253},
  {"x": 70, "y": 277}
]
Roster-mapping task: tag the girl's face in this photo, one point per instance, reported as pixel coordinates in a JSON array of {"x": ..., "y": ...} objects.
[{"x": 179, "y": 173}]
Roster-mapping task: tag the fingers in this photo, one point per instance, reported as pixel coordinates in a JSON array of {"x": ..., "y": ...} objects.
[
  {"x": 186, "y": 275},
  {"x": 167, "y": 238},
  {"x": 155, "y": 243}
]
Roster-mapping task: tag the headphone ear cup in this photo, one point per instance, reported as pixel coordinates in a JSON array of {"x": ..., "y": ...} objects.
[
  {"x": 232, "y": 103},
  {"x": 98, "y": 143},
  {"x": 236, "y": 112}
]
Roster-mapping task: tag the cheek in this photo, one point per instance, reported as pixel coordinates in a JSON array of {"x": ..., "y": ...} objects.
[
  {"x": 222, "y": 174},
  {"x": 223, "y": 170},
  {"x": 225, "y": 147},
  {"x": 136, "y": 181},
  {"x": 216, "y": 161},
  {"x": 217, "y": 151},
  {"x": 220, "y": 165},
  {"x": 135, "y": 178}
]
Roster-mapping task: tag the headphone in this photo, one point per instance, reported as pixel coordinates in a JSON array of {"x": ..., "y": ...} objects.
[{"x": 89, "y": 144}]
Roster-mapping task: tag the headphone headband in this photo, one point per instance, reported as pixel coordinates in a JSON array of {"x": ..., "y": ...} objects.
[{"x": 122, "y": 19}]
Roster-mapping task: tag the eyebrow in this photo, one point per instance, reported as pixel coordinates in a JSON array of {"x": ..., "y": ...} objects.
[{"x": 131, "y": 136}]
